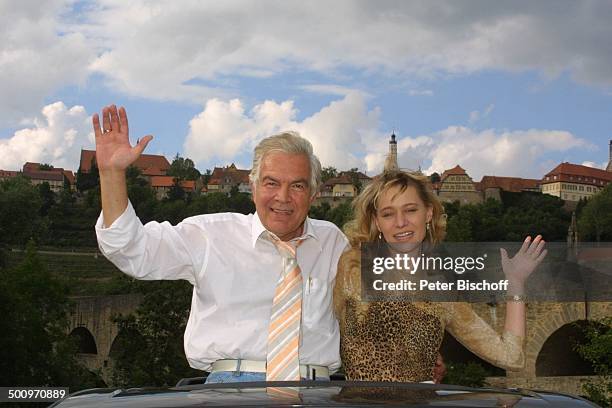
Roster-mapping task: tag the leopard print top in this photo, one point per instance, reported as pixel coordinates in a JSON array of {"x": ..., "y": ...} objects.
[{"x": 399, "y": 341}]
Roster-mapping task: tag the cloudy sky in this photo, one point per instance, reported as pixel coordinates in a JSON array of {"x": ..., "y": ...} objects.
[{"x": 501, "y": 88}]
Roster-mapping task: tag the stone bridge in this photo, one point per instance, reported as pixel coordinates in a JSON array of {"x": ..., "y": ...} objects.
[
  {"x": 551, "y": 362},
  {"x": 91, "y": 323}
]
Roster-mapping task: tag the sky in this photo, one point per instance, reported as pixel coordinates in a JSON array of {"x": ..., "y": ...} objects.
[{"x": 500, "y": 88}]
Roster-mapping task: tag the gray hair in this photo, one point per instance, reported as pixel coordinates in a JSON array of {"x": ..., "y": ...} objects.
[{"x": 287, "y": 142}]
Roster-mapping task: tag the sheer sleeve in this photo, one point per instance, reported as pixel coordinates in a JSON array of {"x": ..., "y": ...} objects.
[
  {"x": 347, "y": 281},
  {"x": 505, "y": 351}
]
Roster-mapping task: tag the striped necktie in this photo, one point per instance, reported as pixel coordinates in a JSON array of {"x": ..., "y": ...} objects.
[{"x": 283, "y": 362}]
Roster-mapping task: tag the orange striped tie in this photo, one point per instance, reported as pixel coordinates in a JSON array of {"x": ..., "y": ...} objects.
[{"x": 283, "y": 362}]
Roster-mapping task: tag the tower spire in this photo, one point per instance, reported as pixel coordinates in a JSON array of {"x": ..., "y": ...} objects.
[{"x": 391, "y": 162}]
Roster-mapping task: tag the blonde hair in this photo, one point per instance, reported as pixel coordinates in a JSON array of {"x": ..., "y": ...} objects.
[
  {"x": 363, "y": 227},
  {"x": 287, "y": 142}
]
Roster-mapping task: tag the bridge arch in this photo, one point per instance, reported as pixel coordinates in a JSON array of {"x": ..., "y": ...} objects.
[
  {"x": 558, "y": 356},
  {"x": 85, "y": 340}
]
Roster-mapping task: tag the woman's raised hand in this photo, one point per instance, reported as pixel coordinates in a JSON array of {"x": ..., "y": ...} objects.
[
  {"x": 113, "y": 149},
  {"x": 518, "y": 268}
]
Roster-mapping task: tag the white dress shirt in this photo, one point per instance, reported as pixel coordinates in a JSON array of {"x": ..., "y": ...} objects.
[{"x": 234, "y": 271}]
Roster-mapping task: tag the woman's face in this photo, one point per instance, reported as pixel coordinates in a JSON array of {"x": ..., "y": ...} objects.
[{"x": 402, "y": 217}]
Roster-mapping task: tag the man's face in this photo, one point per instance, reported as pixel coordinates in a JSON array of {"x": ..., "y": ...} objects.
[{"x": 282, "y": 193}]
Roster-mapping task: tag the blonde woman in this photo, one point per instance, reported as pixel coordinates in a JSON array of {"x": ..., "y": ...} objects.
[{"x": 399, "y": 341}]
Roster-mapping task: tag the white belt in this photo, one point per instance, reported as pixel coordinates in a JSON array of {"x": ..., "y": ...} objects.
[{"x": 306, "y": 370}]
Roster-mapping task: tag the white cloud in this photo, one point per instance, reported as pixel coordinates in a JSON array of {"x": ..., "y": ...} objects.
[
  {"x": 154, "y": 49},
  {"x": 601, "y": 166},
  {"x": 516, "y": 153},
  {"x": 56, "y": 138},
  {"x": 347, "y": 134},
  {"x": 36, "y": 57},
  {"x": 331, "y": 89},
  {"x": 226, "y": 130}
]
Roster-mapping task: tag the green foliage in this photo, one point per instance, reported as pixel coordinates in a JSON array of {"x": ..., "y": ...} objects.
[
  {"x": 355, "y": 179},
  {"x": 469, "y": 374},
  {"x": 141, "y": 195},
  {"x": 435, "y": 178},
  {"x": 20, "y": 209},
  {"x": 597, "y": 349},
  {"x": 328, "y": 173},
  {"x": 183, "y": 169},
  {"x": 518, "y": 215},
  {"x": 47, "y": 197},
  {"x": 595, "y": 218},
  {"x": 176, "y": 192},
  {"x": 206, "y": 176},
  {"x": 339, "y": 215},
  {"x": 87, "y": 181},
  {"x": 45, "y": 166},
  {"x": 151, "y": 350},
  {"x": 35, "y": 349}
]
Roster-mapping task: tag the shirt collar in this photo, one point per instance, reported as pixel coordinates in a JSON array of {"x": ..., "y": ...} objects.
[{"x": 257, "y": 229}]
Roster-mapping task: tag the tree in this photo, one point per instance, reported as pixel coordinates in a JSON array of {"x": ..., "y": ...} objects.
[
  {"x": 45, "y": 166},
  {"x": 435, "y": 178},
  {"x": 183, "y": 169},
  {"x": 151, "y": 354},
  {"x": 595, "y": 219},
  {"x": 20, "y": 211},
  {"x": 469, "y": 374},
  {"x": 35, "y": 349},
  {"x": 141, "y": 195},
  {"x": 328, "y": 173},
  {"x": 206, "y": 176},
  {"x": 176, "y": 192},
  {"x": 87, "y": 181},
  {"x": 47, "y": 197},
  {"x": 597, "y": 350}
]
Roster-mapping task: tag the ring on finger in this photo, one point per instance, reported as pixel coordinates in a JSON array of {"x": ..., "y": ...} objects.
[{"x": 107, "y": 130}]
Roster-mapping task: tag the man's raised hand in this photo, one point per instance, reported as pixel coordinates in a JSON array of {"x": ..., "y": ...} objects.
[{"x": 113, "y": 149}]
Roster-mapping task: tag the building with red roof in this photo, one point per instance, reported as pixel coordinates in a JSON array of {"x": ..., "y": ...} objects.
[
  {"x": 8, "y": 174},
  {"x": 149, "y": 164},
  {"x": 456, "y": 185},
  {"x": 223, "y": 179},
  {"x": 162, "y": 184},
  {"x": 571, "y": 182},
  {"x": 56, "y": 177}
]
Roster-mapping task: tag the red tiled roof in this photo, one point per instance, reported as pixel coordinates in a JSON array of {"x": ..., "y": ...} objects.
[
  {"x": 188, "y": 185},
  {"x": 149, "y": 164},
  {"x": 29, "y": 166},
  {"x": 359, "y": 174},
  {"x": 577, "y": 173},
  {"x": 338, "y": 180},
  {"x": 168, "y": 181},
  {"x": 161, "y": 181},
  {"x": 45, "y": 175},
  {"x": 9, "y": 173},
  {"x": 236, "y": 176},
  {"x": 70, "y": 176},
  {"x": 514, "y": 184},
  {"x": 455, "y": 171},
  {"x": 87, "y": 156}
]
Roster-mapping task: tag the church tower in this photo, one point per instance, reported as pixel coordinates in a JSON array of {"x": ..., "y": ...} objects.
[{"x": 391, "y": 162}]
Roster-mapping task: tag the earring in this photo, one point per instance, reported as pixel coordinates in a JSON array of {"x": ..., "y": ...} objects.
[
  {"x": 379, "y": 235},
  {"x": 428, "y": 226}
]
